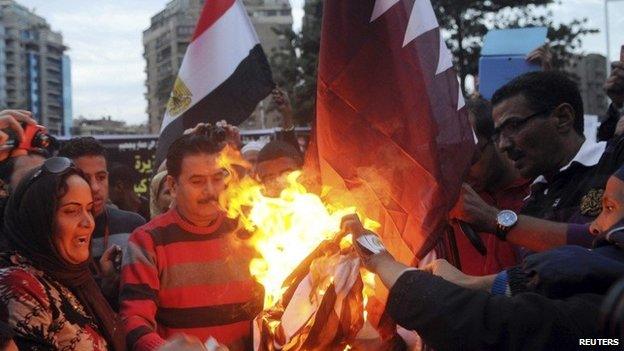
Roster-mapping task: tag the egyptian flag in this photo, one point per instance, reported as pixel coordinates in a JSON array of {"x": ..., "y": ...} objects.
[
  {"x": 224, "y": 74},
  {"x": 391, "y": 128}
]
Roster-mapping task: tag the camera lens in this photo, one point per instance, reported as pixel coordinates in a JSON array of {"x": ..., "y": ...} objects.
[{"x": 41, "y": 140}]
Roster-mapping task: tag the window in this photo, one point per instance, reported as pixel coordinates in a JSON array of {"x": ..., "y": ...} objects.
[
  {"x": 162, "y": 40},
  {"x": 163, "y": 54},
  {"x": 185, "y": 30}
]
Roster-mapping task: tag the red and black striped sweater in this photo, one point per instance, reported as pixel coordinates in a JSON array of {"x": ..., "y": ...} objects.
[{"x": 180, "y": 278}]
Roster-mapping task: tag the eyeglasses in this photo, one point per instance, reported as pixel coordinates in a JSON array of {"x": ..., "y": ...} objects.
[
  {"x": 514, "y": 125},
  {"x": 54, "y": 165}
]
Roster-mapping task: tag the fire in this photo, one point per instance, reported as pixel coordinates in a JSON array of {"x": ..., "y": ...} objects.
[
  {"x": 296, "y": 236},
  {"x": 369, "y": 289},
  {"x": 285, "y": 229}
]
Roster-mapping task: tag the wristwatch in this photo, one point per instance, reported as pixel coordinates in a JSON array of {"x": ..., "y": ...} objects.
[
  {"x": 369, "y": 244},
  {"x": 505, "y": 220}
]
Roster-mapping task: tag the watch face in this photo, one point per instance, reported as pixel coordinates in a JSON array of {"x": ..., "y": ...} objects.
[{"x": 507, "y": 218}]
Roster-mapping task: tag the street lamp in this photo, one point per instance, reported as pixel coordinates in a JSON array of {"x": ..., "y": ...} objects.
[{"x": 606, "y": 9}]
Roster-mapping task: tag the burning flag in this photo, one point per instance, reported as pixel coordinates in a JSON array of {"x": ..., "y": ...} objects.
[
  {"x": 223, "y": 76},
  {"x": 315, "y": 291},
  {"x": 390, "y": 127},
  {"x": 393, "y": 143}
]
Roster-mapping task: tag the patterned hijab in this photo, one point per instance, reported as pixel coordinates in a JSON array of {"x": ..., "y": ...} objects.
[{"x": 28, "y": 227}]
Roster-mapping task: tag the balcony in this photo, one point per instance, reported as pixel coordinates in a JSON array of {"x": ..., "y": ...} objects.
[
  {"x": 53, "y": 69},
  {"x": 54, "y": 103},
  {"x": 54, "y": 79}
]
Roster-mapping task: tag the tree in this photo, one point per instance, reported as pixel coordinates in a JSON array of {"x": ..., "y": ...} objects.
[
  {"x": 295, "y": 66},
  {"x": 467, "y": 22}
]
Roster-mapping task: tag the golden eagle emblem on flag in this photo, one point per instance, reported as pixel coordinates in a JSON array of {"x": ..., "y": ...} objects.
[{"x": 180, "y": 99}]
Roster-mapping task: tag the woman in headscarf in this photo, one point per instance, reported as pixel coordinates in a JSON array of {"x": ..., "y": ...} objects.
[
  {"x": 47, "y": 293},
  {"x": 160, "y": 195}
]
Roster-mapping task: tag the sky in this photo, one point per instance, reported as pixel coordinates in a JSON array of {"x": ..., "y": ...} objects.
[{"x": 105, "y": 45}]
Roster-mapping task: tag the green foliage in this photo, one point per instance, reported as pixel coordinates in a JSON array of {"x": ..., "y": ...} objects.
[
  {"x": 295, "y": 66},
  {"x": 467, "y": 22}
]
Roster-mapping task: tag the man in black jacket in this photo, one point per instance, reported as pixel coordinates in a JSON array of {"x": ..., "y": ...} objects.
[
  {"x": 549, "y": 302},
  {"x": 613, "y": 125},
  {"x": 538, "y": 119}
]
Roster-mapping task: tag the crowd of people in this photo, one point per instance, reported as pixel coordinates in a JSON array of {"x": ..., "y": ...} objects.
[{"x": 86, "y": 264}]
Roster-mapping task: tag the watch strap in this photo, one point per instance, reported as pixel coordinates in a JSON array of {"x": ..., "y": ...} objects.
[{"x": 501, "y": 232}]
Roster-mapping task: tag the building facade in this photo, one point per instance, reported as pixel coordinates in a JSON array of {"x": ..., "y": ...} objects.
[
  {"x": 32, "y": 73},
  {"x": 3, "y": 92},
  {"x": 269, "y": 18},
  {"x": 164, "y": 44},
  {"x": 169, "y": 34},
  {"x": 68, "y": 111},
  {"x": 104, "y": 126},
  {"x": 590, "y": 71}
]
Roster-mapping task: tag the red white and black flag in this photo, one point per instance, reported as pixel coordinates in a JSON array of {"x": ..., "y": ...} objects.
[
  {"x": 391, "y": 127},
  {"x": 223, "y": 76}
]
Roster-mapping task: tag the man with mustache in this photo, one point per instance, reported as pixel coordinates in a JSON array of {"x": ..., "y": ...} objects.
[
  {"x": 187, "y": 270},
  {"x": 539, "y": 124}
]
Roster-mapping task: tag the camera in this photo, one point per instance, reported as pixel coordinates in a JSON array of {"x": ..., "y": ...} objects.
[{"x": 35, "y": 138}]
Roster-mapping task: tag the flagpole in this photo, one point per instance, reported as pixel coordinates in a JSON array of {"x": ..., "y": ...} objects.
[{"x": 606, "y": 10}]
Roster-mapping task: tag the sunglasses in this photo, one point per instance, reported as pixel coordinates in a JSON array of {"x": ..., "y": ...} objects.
[{"x": 54, "y": 165}]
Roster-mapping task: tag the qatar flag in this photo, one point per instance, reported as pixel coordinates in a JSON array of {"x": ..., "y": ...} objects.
[
  {"x": 391, "y": 128},
  {"x": 223, "y": 76}
]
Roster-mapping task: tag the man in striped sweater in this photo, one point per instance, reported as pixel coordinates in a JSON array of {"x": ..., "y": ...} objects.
[{"x": 187, "y": 270}]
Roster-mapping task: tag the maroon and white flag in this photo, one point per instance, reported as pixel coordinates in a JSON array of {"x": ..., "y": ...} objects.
[
  {"x": 391, "y": 128},
  {"x": 224, "y": 74}
]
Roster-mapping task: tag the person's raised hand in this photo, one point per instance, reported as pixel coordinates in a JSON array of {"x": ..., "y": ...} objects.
[
  {"x": 12, "y": 119},
  {"x": 197, "y": 127},
  {"x": 232, "y": 134},
  {"x": 367, "y": 244},
  {"x": 471, "y": 208},
  {"x": 109, "y": 261},
  {"x": 615, "y": 84},
  {"x": 541, "y": 56},
  {"x": 281, "y": 100}
]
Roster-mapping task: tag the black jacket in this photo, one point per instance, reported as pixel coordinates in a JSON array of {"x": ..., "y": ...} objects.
[
  {"x": 559, "y": 305},
  {"x": 606, "y": 131},
  {"x": 449, "y": 317}
]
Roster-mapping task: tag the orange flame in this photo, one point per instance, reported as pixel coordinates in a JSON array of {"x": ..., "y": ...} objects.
[{"x": 285, "y": 230}]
